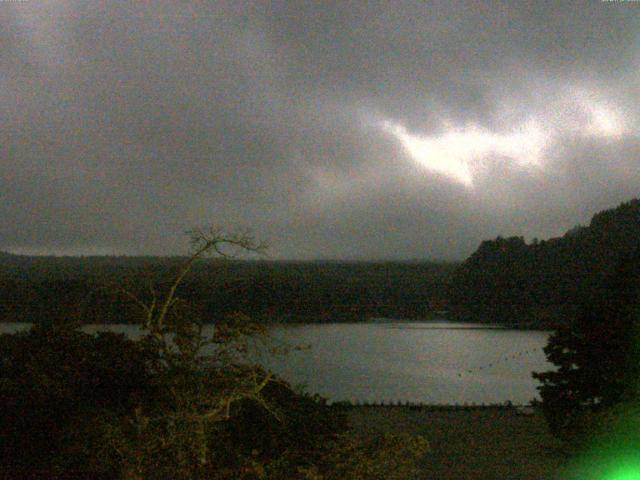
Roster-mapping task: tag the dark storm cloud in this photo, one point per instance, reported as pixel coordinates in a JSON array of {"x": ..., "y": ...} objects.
[{"x": 125, "y": 123}]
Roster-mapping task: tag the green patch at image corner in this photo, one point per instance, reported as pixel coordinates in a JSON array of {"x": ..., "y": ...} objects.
[
  {"x": 624, "y": 472},
  {"x": 614, "y": 454},
  {"x": 616, "y": 467}
]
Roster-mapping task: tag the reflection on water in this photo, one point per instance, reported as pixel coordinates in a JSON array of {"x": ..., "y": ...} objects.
[
  {"x": 430, "y": 362},
  {"x": 415, "y": 361}
]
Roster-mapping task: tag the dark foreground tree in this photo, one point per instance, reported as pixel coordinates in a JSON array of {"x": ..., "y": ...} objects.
[
  {"x": 191, "y": 405},
  {"x": 58, "y": 386},
  {"x": 597, "y": 359}
]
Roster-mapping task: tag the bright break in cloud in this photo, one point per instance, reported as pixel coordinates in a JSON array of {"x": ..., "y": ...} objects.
[{"x": 457, "y": 152}]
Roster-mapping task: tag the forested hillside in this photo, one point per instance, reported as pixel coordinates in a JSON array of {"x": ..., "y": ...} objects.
[
  {"x": 506, "y": 280},
  {"x": 543, "y": 283},
  {"x": 40, "y": 288}
]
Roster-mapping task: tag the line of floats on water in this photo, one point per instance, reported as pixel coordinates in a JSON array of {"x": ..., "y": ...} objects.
[{"x": 502, "y": 360}]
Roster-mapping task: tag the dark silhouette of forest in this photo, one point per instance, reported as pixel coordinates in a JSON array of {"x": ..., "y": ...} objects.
[
  {"x": 33, "y": 289},
  {"x": 538, "y": 285},
  {"x": 544, "y": 283}
]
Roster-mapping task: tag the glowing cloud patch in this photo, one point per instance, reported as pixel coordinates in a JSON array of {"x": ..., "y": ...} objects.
[
  {"x": 459, "y": 151},
  {"x": 605, "y": 122},
  {"x": 456, "y": 153}
]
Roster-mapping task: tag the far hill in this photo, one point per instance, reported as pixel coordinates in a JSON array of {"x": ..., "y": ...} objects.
[
  {"x": 37, "y": 289},
  {"x": 509, "y": 281}
]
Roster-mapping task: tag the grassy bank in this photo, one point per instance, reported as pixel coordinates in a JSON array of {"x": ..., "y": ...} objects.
[{"x": 482, "y": 444}]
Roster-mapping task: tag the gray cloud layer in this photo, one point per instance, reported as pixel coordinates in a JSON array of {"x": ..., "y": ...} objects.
[{"x": 125, "y": 123}]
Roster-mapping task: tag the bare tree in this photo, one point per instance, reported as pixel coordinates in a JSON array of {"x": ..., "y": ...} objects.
[{"x": 206, "y": 373}]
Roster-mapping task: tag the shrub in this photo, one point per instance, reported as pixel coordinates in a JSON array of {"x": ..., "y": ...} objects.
[{"x": 57, "y": 385}]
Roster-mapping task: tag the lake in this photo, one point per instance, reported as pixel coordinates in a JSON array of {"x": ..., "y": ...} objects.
[{"x": 428, "y": 362}]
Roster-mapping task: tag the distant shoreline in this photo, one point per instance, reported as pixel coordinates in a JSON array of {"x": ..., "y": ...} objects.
[{"x": 438, "y": 324}]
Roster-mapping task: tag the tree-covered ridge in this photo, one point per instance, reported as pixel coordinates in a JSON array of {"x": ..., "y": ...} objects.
[
  {"x": 544, "y": 282},
  {"x": 33, "y": 288}
]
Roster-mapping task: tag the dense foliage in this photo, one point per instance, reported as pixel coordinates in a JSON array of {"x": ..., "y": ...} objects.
[
  {"x": 544, "y": 283},
  {"x": 597, "y": 356},
  {"x": 57, "y": 385}
]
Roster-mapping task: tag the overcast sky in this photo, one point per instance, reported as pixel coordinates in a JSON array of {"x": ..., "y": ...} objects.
[{"x": 363, "y": 130}]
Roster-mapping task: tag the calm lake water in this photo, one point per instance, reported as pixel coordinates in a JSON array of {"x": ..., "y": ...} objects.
[{"x": 430, "y": 362}]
